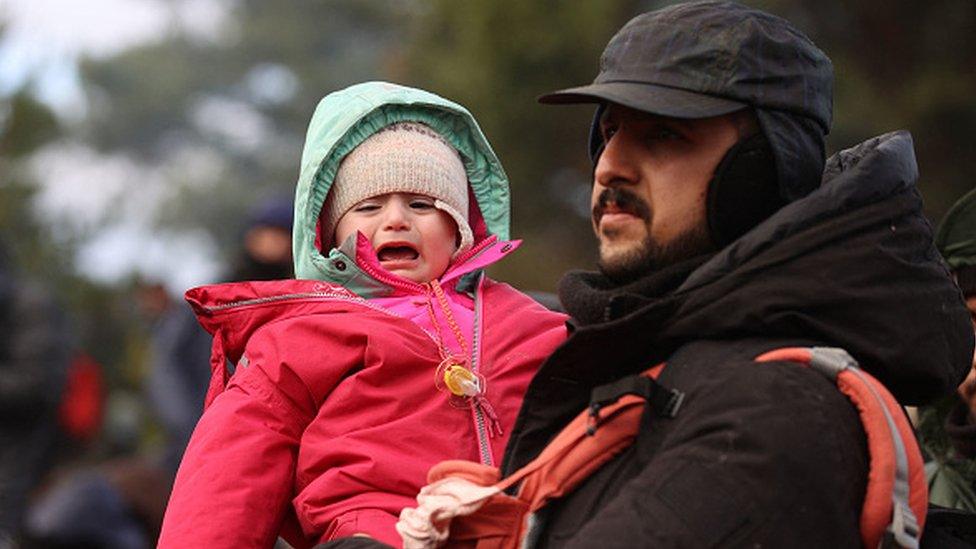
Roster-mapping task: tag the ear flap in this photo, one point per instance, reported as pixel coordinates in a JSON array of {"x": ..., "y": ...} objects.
[{"x": 744, "y": 190}]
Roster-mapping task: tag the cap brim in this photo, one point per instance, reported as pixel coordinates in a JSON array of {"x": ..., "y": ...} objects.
[{"x": 651, "y": 98}]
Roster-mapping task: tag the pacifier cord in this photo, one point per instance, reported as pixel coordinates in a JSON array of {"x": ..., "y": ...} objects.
[{"x": 453, "y": 373}]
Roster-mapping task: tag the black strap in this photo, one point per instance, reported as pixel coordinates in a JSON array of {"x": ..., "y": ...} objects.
[{"x": 663, "y": 401}]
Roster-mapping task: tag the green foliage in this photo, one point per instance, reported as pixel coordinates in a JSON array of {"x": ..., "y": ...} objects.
[
  {"x": 951, "y": 484},
  {"x": 25, "y": 125},
  {"x": 951, "y": 477}
]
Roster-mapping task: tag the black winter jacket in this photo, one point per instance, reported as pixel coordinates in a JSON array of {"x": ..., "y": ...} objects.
[{"x": 759, "y": 455}]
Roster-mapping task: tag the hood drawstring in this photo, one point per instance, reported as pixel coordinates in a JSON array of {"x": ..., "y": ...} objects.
[{"x": 454, "y": 375}]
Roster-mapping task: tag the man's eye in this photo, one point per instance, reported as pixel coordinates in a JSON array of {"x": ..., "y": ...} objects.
[
  {"x": 665, "y": 134},
  {"x": 608, "y": 132}
]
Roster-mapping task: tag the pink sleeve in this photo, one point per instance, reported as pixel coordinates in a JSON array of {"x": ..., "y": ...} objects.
[
  {"x": 380, "y": 525},
  {"x": 238, "y": 473}
]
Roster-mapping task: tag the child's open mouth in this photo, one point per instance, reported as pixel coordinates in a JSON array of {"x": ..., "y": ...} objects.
[{"x": 397, "y": 252}]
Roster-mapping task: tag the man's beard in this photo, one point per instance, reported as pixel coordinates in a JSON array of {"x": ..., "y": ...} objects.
[{"x": 648, "y": 255}]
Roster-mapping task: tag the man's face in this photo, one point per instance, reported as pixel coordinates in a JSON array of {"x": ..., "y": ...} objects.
[{"x": 650, "y": 185}]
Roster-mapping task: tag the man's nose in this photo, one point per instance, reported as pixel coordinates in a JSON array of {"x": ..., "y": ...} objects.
[{"x": 616, "y": 165}]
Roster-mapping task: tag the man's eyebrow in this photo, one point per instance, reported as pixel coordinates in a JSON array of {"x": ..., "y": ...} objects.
[{"x": 684, "y": 122}]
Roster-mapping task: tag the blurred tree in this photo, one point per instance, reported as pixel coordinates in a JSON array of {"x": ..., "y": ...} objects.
[
  {"x": 25, "y": 126},
  {"x": 224, "y": 118},
  {"x": 902, "y": 65}
]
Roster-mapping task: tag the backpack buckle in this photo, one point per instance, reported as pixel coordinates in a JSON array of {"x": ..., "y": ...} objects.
[{"x": 664, "y": 401}]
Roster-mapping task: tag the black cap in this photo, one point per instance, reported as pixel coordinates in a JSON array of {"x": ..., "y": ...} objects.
[{"x": 705, "y": 59}]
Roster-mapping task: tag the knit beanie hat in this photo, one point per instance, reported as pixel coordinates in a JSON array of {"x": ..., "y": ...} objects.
[{"x": 405, "y": 157}]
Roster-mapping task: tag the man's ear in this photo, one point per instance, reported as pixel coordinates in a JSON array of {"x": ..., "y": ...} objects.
[{"x": 744, "y": 190}]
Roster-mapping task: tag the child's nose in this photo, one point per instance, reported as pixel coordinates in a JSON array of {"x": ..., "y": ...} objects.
[{"x": 397, "y": 217}]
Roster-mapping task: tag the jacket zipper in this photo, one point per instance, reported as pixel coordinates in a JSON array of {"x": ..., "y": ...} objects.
[
  {"x": 276, "y": 298},
  {"x": 307, "y": 295},
  {"x": 479, "y": 415},
  {"x": 385, "y": 278},
  {"x": 476, "y": 250},
  {"x": 481, "y": 428}
]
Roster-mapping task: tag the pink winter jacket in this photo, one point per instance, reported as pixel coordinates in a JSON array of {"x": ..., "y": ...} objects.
[{"x": 332, "y": 419}]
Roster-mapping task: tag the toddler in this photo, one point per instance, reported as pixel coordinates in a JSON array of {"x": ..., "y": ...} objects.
[{"x": 390, "y": 353}]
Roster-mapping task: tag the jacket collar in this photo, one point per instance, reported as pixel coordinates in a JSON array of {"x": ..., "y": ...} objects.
[
  {"x": 592, "y": 298},
  {"x": 354, "y": 266}
]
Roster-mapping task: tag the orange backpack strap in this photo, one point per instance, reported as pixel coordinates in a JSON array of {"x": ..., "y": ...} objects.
[
  {"x": 894, "y": 507},
  {"x": 594, "y": 437},
  {"x": 499, "y": 520},
  {"x": 893, "y": 514}
]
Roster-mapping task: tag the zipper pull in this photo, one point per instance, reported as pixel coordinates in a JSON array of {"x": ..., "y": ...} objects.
[{"x": 494, "y": 425}]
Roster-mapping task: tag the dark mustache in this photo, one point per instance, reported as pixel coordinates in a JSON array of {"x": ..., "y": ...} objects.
[{"x": 624, "y": 200}]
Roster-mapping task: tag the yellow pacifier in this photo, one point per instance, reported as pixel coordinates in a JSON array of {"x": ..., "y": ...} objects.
[
  {"x": 458, "y": 380},
  {"x": 461, "y": 381}
]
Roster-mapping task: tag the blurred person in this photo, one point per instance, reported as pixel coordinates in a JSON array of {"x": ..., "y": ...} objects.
[
  {"x": 119, "y": 503},
  {"x": 34, "y": 357},
  {"x": 950, "y": 428},
  {"x": 178, "y": 371},
  {"x": 266, "y": 243},
  {"x": 391, "y": 352},
  {"x": 724, "y": 234},
  {"x": 956, "y": 239}
]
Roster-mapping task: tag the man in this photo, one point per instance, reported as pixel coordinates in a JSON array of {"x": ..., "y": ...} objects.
[
  {"x": 952, "y": 477},
  {"x": 956, "y": 240},
  {"x": 723, "y": 234}
]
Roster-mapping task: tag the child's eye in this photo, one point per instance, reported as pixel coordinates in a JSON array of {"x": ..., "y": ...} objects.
[
  {"x": 366, "y": 207},
  {"x": 421, "y": 204}
]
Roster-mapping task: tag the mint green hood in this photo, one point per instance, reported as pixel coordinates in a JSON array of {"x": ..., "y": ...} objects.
[{"x": 343, "y": 120}]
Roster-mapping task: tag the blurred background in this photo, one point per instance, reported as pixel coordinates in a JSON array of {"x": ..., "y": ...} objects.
[{"x": 141, "y": 141}]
